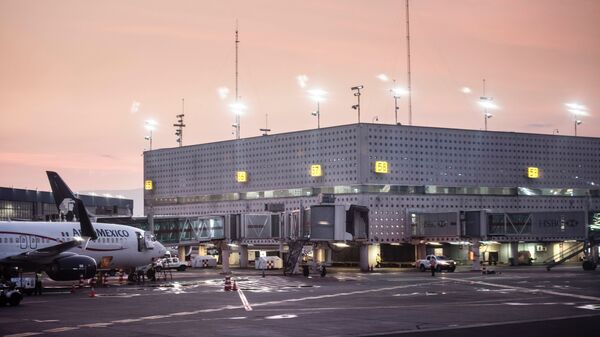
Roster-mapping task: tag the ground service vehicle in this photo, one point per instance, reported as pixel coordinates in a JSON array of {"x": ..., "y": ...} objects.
[
  {"x": 24, "y": 284},
  {"x": 10, "y": 296},
  {"x": 442, "y": 263},
  {"x": 170, "y": 263}
]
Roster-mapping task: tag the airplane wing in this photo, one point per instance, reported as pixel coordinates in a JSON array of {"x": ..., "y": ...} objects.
[{"x": 38, "y": 256}]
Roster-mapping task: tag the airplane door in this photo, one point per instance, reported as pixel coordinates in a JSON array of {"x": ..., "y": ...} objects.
[
  {"x": 23, "y": 241},
  {"x": 32, "y": 242}
]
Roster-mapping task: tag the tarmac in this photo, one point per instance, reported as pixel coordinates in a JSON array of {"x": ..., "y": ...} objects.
[{"x": 515, "y": 301}]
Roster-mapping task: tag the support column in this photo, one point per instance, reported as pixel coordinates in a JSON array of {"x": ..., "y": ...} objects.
[
  {"x": 514, "y": 252},
  {"x": 476, "y": 266},
  {"x": 364, "y": 258},
  {"x": 151, "y": 221},
  {"x": 243, "y": 256},
  {"x": 319, "y": 255},
  {"x": 420, "y": 251},
  {"x": 181, "y": 253},
  {"x": 225, "y": 260},
  {"x": 328, "y": 256}
]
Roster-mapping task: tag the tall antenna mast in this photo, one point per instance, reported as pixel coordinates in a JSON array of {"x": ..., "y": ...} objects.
[
  {"x": 179, "y": 125},
  {"x": 408, "y": 64},
  {"x": 237, "y": 97},
  {"x": 266, "y": 129}
]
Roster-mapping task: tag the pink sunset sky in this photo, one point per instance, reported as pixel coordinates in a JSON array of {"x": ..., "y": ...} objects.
[{"x": 71, "y": 71}]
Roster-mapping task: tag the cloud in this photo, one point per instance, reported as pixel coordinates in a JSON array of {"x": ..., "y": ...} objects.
[
  {"x": 75, "y": 161},
  {"x": 539, "y": 125},
  {"x": 135, "y": 107}
]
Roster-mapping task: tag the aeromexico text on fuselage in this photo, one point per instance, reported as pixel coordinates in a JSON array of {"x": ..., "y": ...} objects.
[{"x": 109, "y": 233}]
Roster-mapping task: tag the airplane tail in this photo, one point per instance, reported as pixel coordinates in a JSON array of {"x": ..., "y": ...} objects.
[{"x": 62, "y": 192}]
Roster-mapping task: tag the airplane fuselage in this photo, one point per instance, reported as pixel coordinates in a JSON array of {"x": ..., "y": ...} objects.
[{"x": 117, "y": 246}]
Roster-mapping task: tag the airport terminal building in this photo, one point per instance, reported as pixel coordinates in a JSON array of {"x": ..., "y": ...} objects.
[
  {"x": 464, "y": 193},
  {"x": 33, "y": 205}
]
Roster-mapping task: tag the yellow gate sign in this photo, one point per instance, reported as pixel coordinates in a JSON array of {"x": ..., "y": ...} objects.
[
  {"x": 148, "y": 185},
  {"x": 316, "y": 171},
  {"x": 242, "y": 176},
  {"x": 533, "y": 172},
  {"x": 381, "y": 167}
]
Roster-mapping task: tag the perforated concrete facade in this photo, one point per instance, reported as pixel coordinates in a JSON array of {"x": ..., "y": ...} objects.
[{"x": 431, "y": 170}]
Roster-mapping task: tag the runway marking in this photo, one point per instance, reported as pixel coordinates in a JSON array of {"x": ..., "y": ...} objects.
[
  {"x": 223, "y": 308},
  {"x": 244, "y": 300},
  {"x": 544, "y": 303},
  {"x": 44, "y": 320},
  {"x": 549, "y": 292},
  {"x": 96, "y": 325},
  {"x": 63, "y": 329},
  {"x": 282, "y": 316},
  {"x": 496, "y": 302},
  {"x": 24, "y": 334},
  {"x": 309, "y": 298}
]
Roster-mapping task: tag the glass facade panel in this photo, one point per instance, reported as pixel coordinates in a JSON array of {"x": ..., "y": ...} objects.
[{"x": 378, "y": 189}]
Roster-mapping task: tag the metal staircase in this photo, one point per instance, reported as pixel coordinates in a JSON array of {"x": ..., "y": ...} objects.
[
  {"x": 590, "y": 261},
  {"x": 565, "y": 255},
  {"x": 294, "y": 254}
]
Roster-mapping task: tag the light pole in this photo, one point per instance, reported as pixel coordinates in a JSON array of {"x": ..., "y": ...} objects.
[
  {"x": 150, "y": 125},
  {"x": 357, "y": 94},
  {"x": 397, "y": 94},
  {"x": 487, "y": 103},
  {"x": 317, "y": 95},
  {"x": 486, "y": 116},
  {"x": 577, "y": 110},
  {"x": 237, "y": 108},
  {"x": 577, "y": 122}
]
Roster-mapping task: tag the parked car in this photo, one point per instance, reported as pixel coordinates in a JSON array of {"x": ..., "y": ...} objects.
[{"x": 442, "y": 263}]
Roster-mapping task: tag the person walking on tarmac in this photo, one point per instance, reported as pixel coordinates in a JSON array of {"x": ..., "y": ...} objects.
[
  {"x": 38, "y": 284},
  {"x": 378, "y": 261},
  {"x": 433, "y": 265}
]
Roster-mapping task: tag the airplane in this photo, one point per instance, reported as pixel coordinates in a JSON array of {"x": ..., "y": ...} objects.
[{"x": 67, "y": 251}]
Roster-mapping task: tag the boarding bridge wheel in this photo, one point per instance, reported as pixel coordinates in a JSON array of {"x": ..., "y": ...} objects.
[{"x": 589, "y": 265}]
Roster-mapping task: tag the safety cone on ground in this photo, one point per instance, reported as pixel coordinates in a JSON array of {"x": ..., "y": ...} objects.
[
  {"x": 92, "y": 292},
  {"x": 227, "y": 283},
  {"x": 234, "y": 288}
]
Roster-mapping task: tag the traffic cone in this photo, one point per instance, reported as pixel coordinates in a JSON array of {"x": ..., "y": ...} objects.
[
  {"x": 235, "y": 288},
  {"x": 93, "y": 292},
  {"x": 227, "y": 283}
]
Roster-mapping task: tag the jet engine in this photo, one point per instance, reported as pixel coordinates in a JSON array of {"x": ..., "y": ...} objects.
[{"x": 72, "y": 268}]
